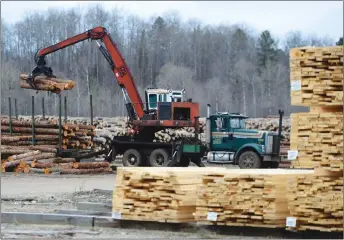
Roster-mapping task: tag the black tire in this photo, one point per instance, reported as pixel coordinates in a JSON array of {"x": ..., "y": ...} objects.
[
  {"x": 184, "y": 162},
  {"x": 132, "y": 158},
  {"x": 198, "y": 162},
  {"x": 249, "y": 159},
  {"x": 158, "y": 158},
  {"x": 270, "y": 164}
]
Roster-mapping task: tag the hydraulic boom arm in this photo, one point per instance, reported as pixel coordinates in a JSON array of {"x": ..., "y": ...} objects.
[{"x": 125, "y": 80}]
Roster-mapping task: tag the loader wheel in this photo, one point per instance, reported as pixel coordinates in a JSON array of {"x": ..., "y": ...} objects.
[
  {"x": 249, "y": 159},
  {"x": 132, "y": 158},
  {"x": 158, "y": 158}
]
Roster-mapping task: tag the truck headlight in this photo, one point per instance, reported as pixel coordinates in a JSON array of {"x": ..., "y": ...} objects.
[{"x": 263, "y": 148}]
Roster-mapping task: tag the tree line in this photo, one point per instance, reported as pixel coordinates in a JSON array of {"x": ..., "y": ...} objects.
[{"x": 225, "y": 64}]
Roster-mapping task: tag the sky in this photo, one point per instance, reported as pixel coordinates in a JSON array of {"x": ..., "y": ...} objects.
[{"x": 322, "y": 18}]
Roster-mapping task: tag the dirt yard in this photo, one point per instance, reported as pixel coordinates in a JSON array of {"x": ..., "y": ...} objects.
[{"x": 48, "y": 193}]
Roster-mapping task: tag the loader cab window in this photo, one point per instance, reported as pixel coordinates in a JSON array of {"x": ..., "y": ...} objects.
[
  {"x": 162, "y": 98},
  {"x": 153, "y": 99},
  {"x": 238, "y": 123}
]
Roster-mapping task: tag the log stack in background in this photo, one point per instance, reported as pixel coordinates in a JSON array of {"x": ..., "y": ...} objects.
[
  {"x": 46, "y": 133},
  {"x": 44, "y": 83},
  {"x": 47, "y": 163},
  {"x": 248, "y": 197},
  {"x": 19, "y": 155},
  {"x": 316, "y": 201}
]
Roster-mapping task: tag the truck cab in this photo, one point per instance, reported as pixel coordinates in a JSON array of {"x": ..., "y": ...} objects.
[{"x": 229, "y": 141}]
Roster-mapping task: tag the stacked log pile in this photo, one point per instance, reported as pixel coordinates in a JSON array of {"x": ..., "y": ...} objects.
[
  {"x": 44, "y": 83},
  {"x": 46, "y": 133},
  {"x": 249, "y": 197},
  {"x": 316, "y": 201},
  {"x": 108, "y": 128},
  {"x": 47, "y": 162},
  {"x": 270, "y": 124},
  {"x": 316, "y": 75},
  {"x": 156, "y": 194}
]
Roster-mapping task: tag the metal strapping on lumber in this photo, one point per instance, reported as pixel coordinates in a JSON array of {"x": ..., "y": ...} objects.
[{"x": 53, "y": 218}]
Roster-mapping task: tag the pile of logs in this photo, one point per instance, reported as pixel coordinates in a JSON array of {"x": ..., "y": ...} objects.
[
  {"x": 44, "y": 83},
  {"x": 47, "y": 162},
  {"x": 270, "y": 124},
  {"x": 46, "y": 133},
  {"x": 248, "y": 197},
  {"x": 170, "y": 135}
]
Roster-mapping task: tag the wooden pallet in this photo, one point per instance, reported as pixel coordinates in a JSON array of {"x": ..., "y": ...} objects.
[
  {"x": 318, "y": 138},
  {"x": 316, "y": 76}
]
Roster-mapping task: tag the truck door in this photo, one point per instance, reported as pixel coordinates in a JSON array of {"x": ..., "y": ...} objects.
[{"x": 219, "y": 132}]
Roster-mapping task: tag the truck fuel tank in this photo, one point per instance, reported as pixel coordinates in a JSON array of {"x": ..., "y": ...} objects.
[{"x": 220, "y": 157}]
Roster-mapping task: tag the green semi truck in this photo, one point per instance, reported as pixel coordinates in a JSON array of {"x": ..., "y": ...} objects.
[{"x": 229, "y": 141}]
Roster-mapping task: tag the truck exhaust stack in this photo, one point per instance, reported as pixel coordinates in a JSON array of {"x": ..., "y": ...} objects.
[{"x": 208, "y": 127}]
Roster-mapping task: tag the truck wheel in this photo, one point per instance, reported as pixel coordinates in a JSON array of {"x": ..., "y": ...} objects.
[
  {"x": 131, "y": 157},
  {"x": 158, "y": 158},
  {"x": 249, "y": 159}
]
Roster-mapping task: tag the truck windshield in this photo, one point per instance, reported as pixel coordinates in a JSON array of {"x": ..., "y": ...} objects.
[{"x": 237, "y": 123}]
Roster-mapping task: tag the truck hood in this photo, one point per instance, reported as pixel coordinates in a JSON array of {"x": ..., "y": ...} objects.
[{"x": 250, "y": 132}]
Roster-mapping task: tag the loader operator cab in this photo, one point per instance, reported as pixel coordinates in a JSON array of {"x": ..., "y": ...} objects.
[{"x": 155, "y": 96}]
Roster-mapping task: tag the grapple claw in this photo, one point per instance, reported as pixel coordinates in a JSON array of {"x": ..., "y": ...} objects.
[{"x": 39, "y": 70}]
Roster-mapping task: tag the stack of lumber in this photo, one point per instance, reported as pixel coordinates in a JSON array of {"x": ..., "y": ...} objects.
[
  {"x": 318, "y": 138},
  {"x": 317, "y": 135},
  {"x": 316, "y": 75},
  {"x": 46, "y": 133},
  {"x": 47, "y": 162},
  {"x": 316, "y": 201},
  {"x": 245, "y": 197},
  {"x": 156, "y": 194},
  {"x": 44, "y": 83}
]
